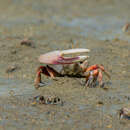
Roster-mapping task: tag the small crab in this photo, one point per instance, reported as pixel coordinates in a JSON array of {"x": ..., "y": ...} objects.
[
  {"x": 126, "y": 27},
  {"x": 124, "y": 113},
  {"x": 57, "y": 65}
]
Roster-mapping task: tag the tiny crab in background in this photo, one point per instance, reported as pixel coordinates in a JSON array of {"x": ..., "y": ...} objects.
[
  {"x": 59, "y": 65},
  {"x": 124, "y": 113},
  {"x": 126, "y": 27}
]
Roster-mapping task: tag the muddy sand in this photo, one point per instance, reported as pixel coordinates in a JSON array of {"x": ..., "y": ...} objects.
[{"x": 63, "y": 24}]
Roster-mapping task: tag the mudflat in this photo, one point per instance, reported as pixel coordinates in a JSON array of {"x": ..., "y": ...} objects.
[{"x": 58, "y": 25}]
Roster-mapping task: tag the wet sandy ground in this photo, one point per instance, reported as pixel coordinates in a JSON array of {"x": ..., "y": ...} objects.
[{"x": 54, "y": 25}]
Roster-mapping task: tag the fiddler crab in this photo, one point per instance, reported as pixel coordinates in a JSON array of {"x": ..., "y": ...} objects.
[{"x": 59, "y": 65}]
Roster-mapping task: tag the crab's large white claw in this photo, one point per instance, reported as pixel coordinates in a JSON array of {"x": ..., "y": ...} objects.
[
  {"x": 57, "y": 57},
  {"x": 74, "y": 51}
]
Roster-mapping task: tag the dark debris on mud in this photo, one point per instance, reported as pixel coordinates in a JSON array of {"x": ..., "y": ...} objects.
[{"x": 52, "y": 100}]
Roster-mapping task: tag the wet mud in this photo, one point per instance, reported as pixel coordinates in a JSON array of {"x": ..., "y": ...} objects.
[{"x": 47, "y": 26}]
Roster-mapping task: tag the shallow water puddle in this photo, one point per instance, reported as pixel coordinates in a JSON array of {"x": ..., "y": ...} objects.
[
  {"x": 15, "y": 87},
  {"x": 101, "y": 27}
]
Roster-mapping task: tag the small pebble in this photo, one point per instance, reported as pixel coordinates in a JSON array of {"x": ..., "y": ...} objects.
[
  {"x": 54, "y": 100},
  {"x": 13, "y": 52},
  {"x": 27, "y": 42},
  {"x": 11, "y": 69},
  {"x": 100, "y": 102}
]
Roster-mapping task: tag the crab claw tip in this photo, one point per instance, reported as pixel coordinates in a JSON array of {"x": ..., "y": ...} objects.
[{"x": 74, "y": 51}]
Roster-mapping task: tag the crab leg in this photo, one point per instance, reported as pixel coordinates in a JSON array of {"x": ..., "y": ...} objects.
[
  {"x": 89, "y": 79},
  {"x": 52, "y": 72},
  {"x": 96, "y": 66},
  {"x": 46, "y": 70},
  {"x": 38, "y": 77},
  {"x": 100, "y": 78}
]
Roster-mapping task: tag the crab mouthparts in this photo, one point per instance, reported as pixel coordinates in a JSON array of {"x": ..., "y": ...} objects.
[{"x": 57, "y": 57}]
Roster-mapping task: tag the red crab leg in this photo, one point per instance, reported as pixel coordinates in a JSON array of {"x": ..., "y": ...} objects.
[
  {"x": 91, "y": 77},
  {"x": 102, "y": 68},
  {"x": 38, "y": 77},
  {"x": 51, "y": 71},
  {"x": 96, "y": 66},
  {"x": 48, "y": 71},
  {"x": 100, "y": 77},
  {"x": 98, "y": 73}
]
